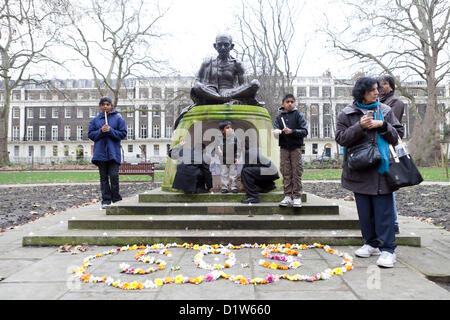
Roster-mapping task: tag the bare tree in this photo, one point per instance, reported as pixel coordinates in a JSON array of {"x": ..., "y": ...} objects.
[
  {"x": 412, "y": 37},
  {"x": 26, "y": 34},
  {"x": 123, "y": 46},
  {"x": 267, "y": 32}
]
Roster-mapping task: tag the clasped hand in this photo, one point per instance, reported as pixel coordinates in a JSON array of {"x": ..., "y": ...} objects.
[
  {"x": 285, "y": 130},
  {"x": 105, "y": 128},
  {"x": 368, "y": 123}
]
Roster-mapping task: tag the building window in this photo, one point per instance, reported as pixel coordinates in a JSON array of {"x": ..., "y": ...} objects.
[
  {"x": 55, "y": 151},
  {"x": 143, "y": 132},
  {"x": 30, "y": 133},
  {"x": 92, "y": 112},
  {"x": 67, "y": 113},
  {"x": 30, "y": 151},
  {"x": 314, "y": 148},
  {"x": 41, "y": 133},
  {"x": 327, "y": 130},
  {"x": 54, "y": 133},
  {"x": 130, "y": 148},
  {"x": 15, "y": 133},
  {"x": 130, "y": 113},
  {"x": 314, "y": 109},
  {"x": 42, "y": 151},
  {"x": 54, "y": 113},
  {"x": 16, "y": 151},
  {"x": 143, "y": 111},
  {"x": 301, "y": 91},
  {"x": 156, "y": 110},
  {"x": 79, "y": 132},
  {"x": 314, "y": 91},
  {"x": 156, "y": 93},
  {"x": 29, "y": 113},
  {"x": 42, "y": 113},
  {"x": 156, "y": 149},
  {"x": 79, "y": 113},
  {"x": 156, "y": 131},
  {"x": 66, "y": 132},
  {"x": 169, "y": 92},
  {"x": 169, "y": 131},
  {"x": 66, "y": 150},
  {"x": 143, "y": 93},
  {"x": 130, "y": 132},
  {"x": 326, "y": 108},
  {"x": 16, "y": 113},
  {"x": 314, "y": 130},
  {"x": 326, "y": 91}
]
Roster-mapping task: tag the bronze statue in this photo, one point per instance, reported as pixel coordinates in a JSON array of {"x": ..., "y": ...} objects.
[{"x": 221, "y": 80}]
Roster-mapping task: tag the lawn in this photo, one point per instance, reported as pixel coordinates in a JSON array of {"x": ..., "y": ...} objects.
[
  {"x": 64, "y": 176},
  {"x": 429, "y": 174}
]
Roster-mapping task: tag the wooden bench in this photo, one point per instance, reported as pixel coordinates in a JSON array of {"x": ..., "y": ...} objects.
[{"x": 142, "y": 168}]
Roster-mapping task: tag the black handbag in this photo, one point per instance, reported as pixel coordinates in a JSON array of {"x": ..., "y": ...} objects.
[
  {"x": 402, "y": 170},
  {"x": 363, "y": 156}
]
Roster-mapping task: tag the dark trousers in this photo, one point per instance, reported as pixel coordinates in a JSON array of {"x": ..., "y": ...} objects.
[
  {"x": 109, "y": 181},
  {"x": 251, "y": 177},
  {"x": 376, "y": 219},
  {"x": 204, "y": 180}
]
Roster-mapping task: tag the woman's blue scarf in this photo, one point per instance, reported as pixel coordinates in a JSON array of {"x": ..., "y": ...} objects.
[{"x": 383, "y": 146}]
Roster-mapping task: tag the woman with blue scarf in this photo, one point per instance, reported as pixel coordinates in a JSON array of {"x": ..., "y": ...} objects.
[{"x": 373, "y": 196}]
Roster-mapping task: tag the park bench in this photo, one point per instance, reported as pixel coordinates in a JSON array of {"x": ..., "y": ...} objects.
[{"x": 142, "y": 168}]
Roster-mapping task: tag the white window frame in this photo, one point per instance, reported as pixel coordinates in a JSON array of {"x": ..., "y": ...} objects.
[
  {"x": 29, "y": 133},
  {"x": 67, "y": 132},
  {"x": 42, "y": 113},
  {"x": 54, "y": 133},
  {"x": 79, "y": 133},
  {"x": 67, "y": 113},
  {"x": 42, "y": 133}
]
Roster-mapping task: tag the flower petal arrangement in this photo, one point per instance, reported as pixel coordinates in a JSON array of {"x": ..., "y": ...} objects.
[{"x": 289, "y": 254}]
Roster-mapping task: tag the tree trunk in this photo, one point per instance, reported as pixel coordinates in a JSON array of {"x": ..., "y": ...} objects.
[
  {"x": 4, "y": 116},
  {"x": 424, "y": 144}
]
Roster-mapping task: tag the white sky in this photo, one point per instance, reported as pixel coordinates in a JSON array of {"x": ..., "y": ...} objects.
[{"x": 192, "y": 26}]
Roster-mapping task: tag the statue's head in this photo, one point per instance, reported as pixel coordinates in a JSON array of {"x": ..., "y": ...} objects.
[{"x": 224, "y": 44}]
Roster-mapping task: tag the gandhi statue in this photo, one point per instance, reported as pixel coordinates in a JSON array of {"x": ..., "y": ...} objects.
[{"x": 221, "y": 80}]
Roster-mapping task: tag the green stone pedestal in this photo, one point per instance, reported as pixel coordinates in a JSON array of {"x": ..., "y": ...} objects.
[{"x": 246, "y": 121}]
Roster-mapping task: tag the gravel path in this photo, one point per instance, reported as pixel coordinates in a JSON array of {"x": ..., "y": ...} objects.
[{"x": 19, "y": 205}]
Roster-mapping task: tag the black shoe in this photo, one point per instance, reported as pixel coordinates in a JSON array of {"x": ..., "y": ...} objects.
[
  {"x": 396, "y": 229},
  {"x": 235, "y": 190},
  {"x": 265, "y": 190},
  {"x": 251, "y": 200},
  {"x": 224, "y": 191}
]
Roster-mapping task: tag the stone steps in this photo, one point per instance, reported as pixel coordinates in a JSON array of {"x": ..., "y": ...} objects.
[
  {"x": 214, "y": 222},
  {"x": 157, "y": 195},
  {"x": 211, "y": 208},
  {"x": 209, "y": 221},
  {"x": 342, "y": 237}
]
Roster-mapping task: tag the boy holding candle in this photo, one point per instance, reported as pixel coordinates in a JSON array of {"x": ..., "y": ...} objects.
[
  {"x": 107, "y": 129},
  {"x": 291, "y": 128}
]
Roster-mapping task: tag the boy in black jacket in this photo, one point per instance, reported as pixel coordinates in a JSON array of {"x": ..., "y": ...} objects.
[{"x": 291, "y": 128}]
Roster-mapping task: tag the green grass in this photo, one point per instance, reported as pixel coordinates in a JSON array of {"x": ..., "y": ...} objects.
[
  {"x": 429, "y": 174},
  {"x": 70, "y": 176}
]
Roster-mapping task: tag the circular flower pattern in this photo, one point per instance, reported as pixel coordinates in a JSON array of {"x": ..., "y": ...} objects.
[{"x": 269, "y": 251}]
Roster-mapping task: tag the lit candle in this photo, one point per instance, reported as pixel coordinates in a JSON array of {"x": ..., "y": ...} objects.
[
  {"x": 106, "y": 118},
  {"x": 284, "y": 123}
]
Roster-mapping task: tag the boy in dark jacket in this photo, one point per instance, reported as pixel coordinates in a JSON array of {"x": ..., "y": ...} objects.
[
  {"x": 291, "y": 128},
  {"x": 107, "y": 130}
]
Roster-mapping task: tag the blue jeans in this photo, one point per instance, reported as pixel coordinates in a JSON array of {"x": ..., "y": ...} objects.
[
  {"x": 376, "y": 219},
  {"x": 109, "y": 181}
]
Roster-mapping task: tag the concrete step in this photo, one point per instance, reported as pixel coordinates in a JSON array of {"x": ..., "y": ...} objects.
[
  {"x": 211, "y": 208},
  {"x": 214, "y": 222},
  {"x": 341, "y": 237},
  {"x": 157, "y": 195}
]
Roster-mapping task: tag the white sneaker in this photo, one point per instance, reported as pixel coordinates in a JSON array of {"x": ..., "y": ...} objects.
[
  {"x": 366, "y": 251},
  {"x": 297, "y": 203},
  {"x": 287, "y": 201},
  {"x": 387, "y": 259}
]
